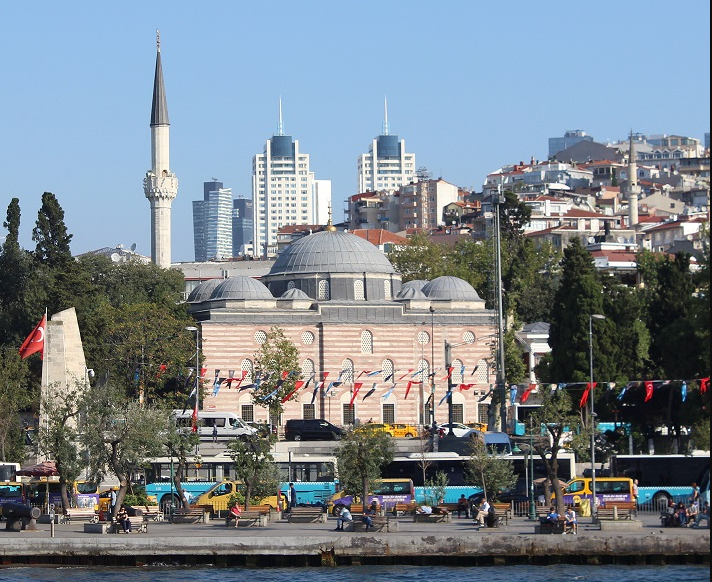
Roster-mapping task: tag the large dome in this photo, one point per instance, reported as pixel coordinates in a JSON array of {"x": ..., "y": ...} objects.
[
  {"x": 331, "y": 252},
  {"x": 203, "y": 291},
  {"x": 241, "y": 287}
]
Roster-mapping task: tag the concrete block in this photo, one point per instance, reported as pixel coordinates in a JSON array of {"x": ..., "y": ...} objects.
[
  {"x": 621, "y": 525},
  {"x": 99, "y": 528}
]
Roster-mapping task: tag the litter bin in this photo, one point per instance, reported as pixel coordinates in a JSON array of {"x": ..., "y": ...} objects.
[{"x": 585, "y": 508}]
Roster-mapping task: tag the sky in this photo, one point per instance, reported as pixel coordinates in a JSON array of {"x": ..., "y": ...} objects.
[{"x": 471, "y": 86}]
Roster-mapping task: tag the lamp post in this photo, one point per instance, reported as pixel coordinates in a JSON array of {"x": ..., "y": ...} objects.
[
  {"x": 432, "y": 364},
  {"x": 593, "y": 414},
  {"x": 197, "y": 379},
  {"x": 501, "y": 382},
  {"x": 532, "y": 507}
]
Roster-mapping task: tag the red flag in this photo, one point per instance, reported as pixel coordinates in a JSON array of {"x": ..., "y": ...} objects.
[
  {"x": 284, "y": 375},
  {"x": 407, "y": 389},
  {"x": 404, "y": 375},
  {"x": 449, "y": 373},
  {"x": 195, "y": 416},
  {"x": 704, "y": 385},
  {"x": 357, "y": 387},
  {"x": 203, "y": 371},
  {"x": 297, "y": 385},
  {"x": 35, "y": 341},
  {"x": 648, "y": 391},
  {"x": 584, "y": 396},
  {"x": 465, "y": 387},
  {"x": 526, "y": 393}
]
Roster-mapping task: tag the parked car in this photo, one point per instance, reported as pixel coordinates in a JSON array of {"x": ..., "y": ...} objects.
[
  {"x": 457, "y": 429},
  {"x": 394, "y": 430},
  {"x": 316, "y": 429}
]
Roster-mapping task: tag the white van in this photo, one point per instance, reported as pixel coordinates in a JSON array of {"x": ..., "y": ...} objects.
[{"x": 229, "y": 425}]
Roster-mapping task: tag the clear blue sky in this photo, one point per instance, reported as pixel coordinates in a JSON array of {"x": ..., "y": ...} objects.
[{"x": 471, "y": 86}]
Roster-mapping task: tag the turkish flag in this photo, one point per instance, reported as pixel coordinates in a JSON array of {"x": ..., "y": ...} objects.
[{"x": 35, "y": 341}]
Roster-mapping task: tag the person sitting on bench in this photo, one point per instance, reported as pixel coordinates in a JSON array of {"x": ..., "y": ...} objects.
[
  {"x": 570, "y": 523},
  {"x": 235, "y": 512},
  {"x": 122, "y": 518},
  {"x": 552, "y": 517},
  {"x": 344, "y": 517}
]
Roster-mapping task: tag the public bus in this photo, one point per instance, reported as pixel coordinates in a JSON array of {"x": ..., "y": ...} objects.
[
  {"x": 388, "y": 493},
  {"x": 8, "y": 471},
  {"x": 662, "y": 478},
  {"x": 11, "y": 492}
]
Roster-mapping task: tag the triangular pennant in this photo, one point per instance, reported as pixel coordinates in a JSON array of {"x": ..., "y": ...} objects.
[
  {"x": 371, "y": 391},
  {"x": 404, "y": 375},
  {"x": 357, "y": 387},
  {"x": 648, "y": 390}
]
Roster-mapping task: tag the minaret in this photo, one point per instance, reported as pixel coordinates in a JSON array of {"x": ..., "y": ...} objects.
[
  {"x": 160, "y": 185},
  {"x": 632, "y": 185}
]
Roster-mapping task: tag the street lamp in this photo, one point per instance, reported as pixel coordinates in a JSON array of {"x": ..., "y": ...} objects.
[
  {"x": 593, "y": 414},
  {"x": 197, "y": 379},
  {"x": 532, "y": 507},
  {"x": 501, "y": 381}
]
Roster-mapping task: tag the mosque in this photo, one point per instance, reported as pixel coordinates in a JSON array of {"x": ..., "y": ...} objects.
[{"x": 339, "y": 300}]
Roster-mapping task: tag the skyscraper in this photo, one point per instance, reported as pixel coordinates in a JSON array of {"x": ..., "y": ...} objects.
[
  {"x": 242, "y": 224},
  {"x": 282, "y": 190},
  {"x": 160, "y": 185},
  {"x": 386, "y": 166},
  {"x": 212, "y": 223}
]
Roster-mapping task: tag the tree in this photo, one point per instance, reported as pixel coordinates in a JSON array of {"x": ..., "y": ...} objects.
[
  {"x": 556, "y": 414},
  {"x": 360, "y": 457},
  {"x": 50, "y": 234},
  {"x": 279, "y": 358},
  {"x": 254, "y": 467},
  {"x": 436, "y": 488},
  {"x": 58, "y": 437},
  {"x": 180, "y": 444},
  {"x": 120, "y": 434},
  {"x": 14, "y": 397},
  {"x": 493, "y": 473},
  {"x": 420, "y": 259}
]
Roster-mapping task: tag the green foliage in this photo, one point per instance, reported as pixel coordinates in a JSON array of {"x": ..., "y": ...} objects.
[
  {"x": 236, "y": 498},
  {"x": 493, "y": 473},
  {"x": 138, "y": 499},
  {"x": 420, "y": 259},
  {"x": 276, "y": 356},
  {"x": 360, "y": 457},
  {"x": 254, "y": 467},
  {"x": 14, "y": 396},
  {"x": 436, "y": 488},
  {"x": 50, "y": 234}
]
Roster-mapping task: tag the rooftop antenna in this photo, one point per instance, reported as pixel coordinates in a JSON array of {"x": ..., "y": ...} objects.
[
  {"x": 280, "y": 125},
  {"x": 385, "y": 119}
]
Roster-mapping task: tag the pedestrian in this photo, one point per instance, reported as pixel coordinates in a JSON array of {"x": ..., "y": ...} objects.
[
  {"x": 368, "y": 514},
  {"x": 703, "y": 514},
  {"x": 292, "y": 496},
  {"x": 695, "y": 493},
  {"x": 112, "y": 501},
  {"x": 235, "y": 512},
  {"x": 215, "y": 433},
  {"x": 635, "y": 490}
]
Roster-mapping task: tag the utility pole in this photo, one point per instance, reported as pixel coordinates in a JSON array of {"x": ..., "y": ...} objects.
[{"x": 501, "y": 382}]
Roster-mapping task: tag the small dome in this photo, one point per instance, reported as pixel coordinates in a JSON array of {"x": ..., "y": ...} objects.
[
  {"x": 295, "y": 294},
  {"x": 450, "y": 288},
  {"x": 415, "y": 284},
  {"x": 241, "y": 287},
  {"x": 411, "y": 293},
  {"x": 331, "y": 252},
  {"x": 203, "y": 291}
]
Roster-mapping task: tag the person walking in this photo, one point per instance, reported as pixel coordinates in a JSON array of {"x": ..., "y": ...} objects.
[
  {"x": 215, "y": 433},
  {"x": 292, "y": 497}
]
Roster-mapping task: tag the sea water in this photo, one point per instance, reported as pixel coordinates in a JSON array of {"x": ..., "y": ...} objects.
[{"x": 558, "y": 573}]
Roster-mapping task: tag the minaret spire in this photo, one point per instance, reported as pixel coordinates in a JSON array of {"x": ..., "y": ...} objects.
[
  {"x": 385, "y": 117},
  {"x": 633, "y": 189},
  {"x": 280, "y": 125},
  {"x": 160, "y": 185}
]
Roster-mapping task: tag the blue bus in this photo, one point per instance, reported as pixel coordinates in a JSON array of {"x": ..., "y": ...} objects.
[{"x": 662, "y": 478}]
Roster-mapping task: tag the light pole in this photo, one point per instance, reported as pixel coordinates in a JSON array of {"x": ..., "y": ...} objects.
[
  {"x": 431, "y": 371},
  {"x": 593, "y": 414},
  {"x": 501, "y": 382},
  {"x": 197, "y": 381},
  {"x": 532, "y": 507}
]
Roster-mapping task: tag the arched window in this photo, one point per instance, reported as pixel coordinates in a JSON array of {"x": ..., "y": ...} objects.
[
  {"x": 482, "y": 374},
  {"x": 457, "y": 372},
  {"x": 358, "y": 290},
  {"x": 366, "y": 342},
  {"x": 307, "y": 369},
  {"x": 387, "y": 371},
  {"x": 423, "y": 338},
  {"x": 347, "y": 370},
  {"x": 246, "y": 366},
  {"x": 324, "y": 290},
  {"x": 423, "y": 372}
]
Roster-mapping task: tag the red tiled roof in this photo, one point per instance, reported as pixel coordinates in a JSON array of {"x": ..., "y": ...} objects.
[{"x": 379, "y": 236}]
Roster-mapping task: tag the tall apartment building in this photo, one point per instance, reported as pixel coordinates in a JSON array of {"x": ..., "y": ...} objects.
[
  {"x": 422, "y": 203},
  {"x": 282, "y": 191},
  {"x": 386, "y": 166},
  {"x": 212, "y": 223},
  {"x": 557, "y": 144},
  {"x": 242, "y": 226}
]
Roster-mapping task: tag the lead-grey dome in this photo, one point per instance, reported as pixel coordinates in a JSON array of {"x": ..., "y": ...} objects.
[
  {"x": 331, "y": 252},
  {"x": 294, "y": 294},
  {"x": 203, "y": 291},
  {"x": 241, "y": 287},
  {"x": 450, "y": 288},
  {"x": 414, "y": 284},
  {"x": 410, "y": 293}
]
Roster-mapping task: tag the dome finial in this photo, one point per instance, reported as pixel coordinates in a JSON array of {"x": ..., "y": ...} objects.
[{"x": 330, "y": 227}]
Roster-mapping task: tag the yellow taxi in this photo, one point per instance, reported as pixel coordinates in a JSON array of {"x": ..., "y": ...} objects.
[
  {"x": 394, "y": 430},
  {"x": 477, "y": 426}
]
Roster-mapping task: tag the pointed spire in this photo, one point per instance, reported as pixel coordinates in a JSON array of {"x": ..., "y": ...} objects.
[
  {"x": 385, "y": 118},
  {"x": 159, "y": 107},
  {"x": 280, "y": 125},
  {"x": 329, "y": 226}
]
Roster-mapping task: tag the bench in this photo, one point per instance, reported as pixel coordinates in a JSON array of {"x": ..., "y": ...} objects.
[
  {"x": 257, "y": 515},
  {"x": 151, "y": 512},
  {"x": 192, "y": 515},
  {"x": 546, "y": 527},
  {"x": 404, "y": 509},
  {"x": 79, "y": 514},
  {"x": 306, "y": 515},
  {"x": 617, "y": 510},
  {"x": 116, "y": 528},
  {"x": 381, "y": 523},
  {"x": 431, "y": 517}
]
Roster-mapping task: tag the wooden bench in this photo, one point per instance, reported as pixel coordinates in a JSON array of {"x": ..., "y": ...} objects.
[
  {"x": 431, "y": 517},
  {"x": 503, "y": 511},
  {"x": 306, "y": 515},
  {"x": 257, "y": 515},
  {"x": 116, "y": 528},
  {"x": 151, "y": 512},
  {"x": 404, "y": 509},
  {"x": 192, "y": 515},
  {"x": 617, "y": 510},
  {"x": 546, "y": 527},
  {"x": 79, "y": 514},
  {"x": 381, "y": 523}
]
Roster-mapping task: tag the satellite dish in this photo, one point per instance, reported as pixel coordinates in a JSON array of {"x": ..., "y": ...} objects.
[
  {"x": 133, "y": 247},
  {"x": 115, "y": 257}
]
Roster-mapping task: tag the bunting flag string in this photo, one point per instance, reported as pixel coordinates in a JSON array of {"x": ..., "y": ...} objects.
[
  {"x": 526, "y": 394},
  {"x": 474, "y": 370},
  {"x": 317, "y": 385},
  {"x": 512, "y": 394},
  {"x": 161, "y": 369},
  {"x": 485, "y": 396},
  {"x": 371, "y": 391},
  {"x": 389, "y": 377},
  {"x": 387, "y": 394},
  {"x": 465, "y": 387},
  {"x": 297, "y": 385},
  {"x": 449, "y": 373},
  {"x": 444, "y": 398},
  {"x": 648, "y": 390},
  {"x": 408, "y": 372},
  {"x": 704, "y": 385},
  {"x": 683, "y": 390},
  {"x": 407, "y": 389},
  {"x": 584, "y": 396}
]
